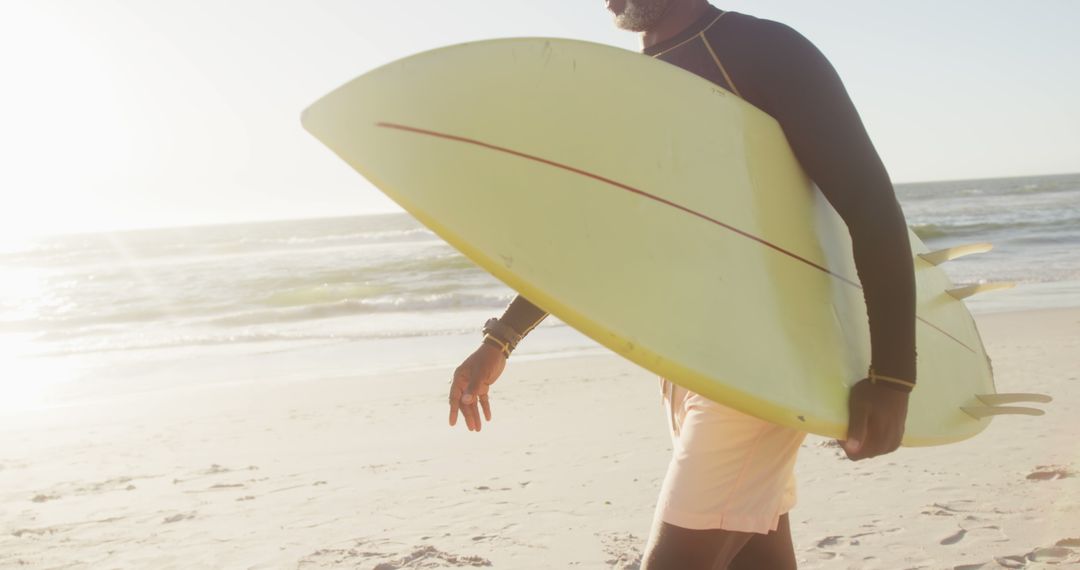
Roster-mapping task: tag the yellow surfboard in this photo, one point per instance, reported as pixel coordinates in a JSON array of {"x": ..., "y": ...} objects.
[{"x": 658, "y": 214}]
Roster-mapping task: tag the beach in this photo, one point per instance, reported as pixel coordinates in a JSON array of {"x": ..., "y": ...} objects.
[
  {"x": 227, "y": 339},
  {"x": 363, "y": 472},
  {"x": 273, "y": 395}
]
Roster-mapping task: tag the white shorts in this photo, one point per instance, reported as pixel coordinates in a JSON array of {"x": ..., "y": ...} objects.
[{"x": 728, "y": 470}]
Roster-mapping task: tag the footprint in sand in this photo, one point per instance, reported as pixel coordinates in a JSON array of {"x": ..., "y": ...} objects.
[
  {"x": 623, "y": 550},
  {"x": 336, "y": 557},
  {"x": 828, "y": 541},
  {"x": 953, "y": 538},
  {"x": 949, "y": 509},
  {"x": 819, "y": 549},
  {"x": 1011, "y": 561},
  {"x": 421, "y": 556},
  {"x": 79, "y": 488},
  {"x": 488, "y": 488},
  {"x": 214, "y": 469},
  {"x": 1050, "y": 473},
  {"x": 1053, "y": 554},
  {"x": 988, "y": 533},
  {"x": 1059, "y": 554},
  {"x": 427, "y": 556},
  {"x": 49, "y": 530},
  {"x": 178, "y": 517}
]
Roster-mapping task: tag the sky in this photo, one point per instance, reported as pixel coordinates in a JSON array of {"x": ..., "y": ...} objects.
[{"x": 145, "y": 113}]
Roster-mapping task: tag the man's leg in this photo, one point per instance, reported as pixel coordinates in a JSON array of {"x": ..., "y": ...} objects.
[
  {"x": 773, "y": 550},
  {"x": 728, "y": 471},
  {"x": 684, "y": 549},
  {"x": 677, "y": 548}
]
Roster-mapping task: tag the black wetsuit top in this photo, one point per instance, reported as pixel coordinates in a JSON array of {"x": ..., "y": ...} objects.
[{"x": 779, "y": 71}]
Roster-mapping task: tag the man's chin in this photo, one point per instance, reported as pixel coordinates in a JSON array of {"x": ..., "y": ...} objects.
[
  {"x": 623, "y": 24},
  {"x": 638, "y": 15},
  {"x": 632, "y": 24}
]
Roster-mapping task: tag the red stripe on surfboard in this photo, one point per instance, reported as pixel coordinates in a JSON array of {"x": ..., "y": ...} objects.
[
  {"x": 642, "y": 193},
  {"x": 942, "y": 331},
  {"x": 618, "y": 185}
]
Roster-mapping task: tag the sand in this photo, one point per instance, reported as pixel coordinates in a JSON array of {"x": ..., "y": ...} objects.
[{"x": 363, "y": 472}]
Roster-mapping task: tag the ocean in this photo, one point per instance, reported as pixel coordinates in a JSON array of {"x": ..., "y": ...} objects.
[{"x": 103, "y": 315}]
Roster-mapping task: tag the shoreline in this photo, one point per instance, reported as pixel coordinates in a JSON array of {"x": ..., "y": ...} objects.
[
  {"x": 353, "y": 471},
  {"x": 89, "y": 377}
]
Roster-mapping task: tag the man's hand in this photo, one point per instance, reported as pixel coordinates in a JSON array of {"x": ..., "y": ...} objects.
[
  {"x": 876, "y": 415},
  {"x": 470, "y": 384}
]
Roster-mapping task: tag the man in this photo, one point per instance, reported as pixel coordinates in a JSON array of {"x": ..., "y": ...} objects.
[{"x": 729, "y": 486}]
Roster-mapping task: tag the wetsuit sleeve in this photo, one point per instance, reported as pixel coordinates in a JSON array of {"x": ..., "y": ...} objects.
[
  {"x": 522, "y": 316},
  {"x": 801, "y": 89}
]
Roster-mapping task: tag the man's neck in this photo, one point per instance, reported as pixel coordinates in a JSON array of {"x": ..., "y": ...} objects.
[{"x": 678, "y": 17}]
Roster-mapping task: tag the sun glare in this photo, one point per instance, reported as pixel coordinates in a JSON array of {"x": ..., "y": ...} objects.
[
  {"x": 25, "y": 379},
  {"x": 71, "y": 137},
  {"x": 26, "y": 382}
]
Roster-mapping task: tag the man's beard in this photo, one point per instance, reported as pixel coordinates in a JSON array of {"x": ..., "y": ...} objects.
[{"x": 641, "y": 15}]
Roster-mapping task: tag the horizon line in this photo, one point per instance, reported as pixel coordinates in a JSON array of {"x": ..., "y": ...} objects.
[{"x": 273, "y": 220}]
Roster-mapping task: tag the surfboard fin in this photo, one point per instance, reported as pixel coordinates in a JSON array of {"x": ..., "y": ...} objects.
[
  {"x": 993, "y": 405},
  {"x": 999, "y": 399},
  {"x": 979, "y": 412},
  {"x": 966, "y": 291},
  {"x": 942, "y": 255}
]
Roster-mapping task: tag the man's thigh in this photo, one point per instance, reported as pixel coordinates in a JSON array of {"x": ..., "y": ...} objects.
[
  {"x": 677, "y": 548},
  {"x": 728, "y": 470},
  {"x": 774, "y": 550}
]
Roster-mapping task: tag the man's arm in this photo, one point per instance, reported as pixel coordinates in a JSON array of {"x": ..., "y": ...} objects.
[
  {"x": 472, "y": 380},
  {"x": 793, "y": 81},
  {"x": 522, "y": 316}
]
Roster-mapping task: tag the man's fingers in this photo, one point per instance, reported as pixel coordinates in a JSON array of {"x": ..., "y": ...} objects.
[
  {"x": 469, "y": 405},
  {"x": 889, "y": 440},
  {"x": 468, "y": 409},
  {"x": 875, "y": 421},
  {"x": 455, "y": 400},
  {"x": 455, "y": 404},
  {"x": 474, "y": 386},
  {"x": 468, "y": 395},
  {"x": 855, "y": 443},
  {"x": 461, "y": 398},
  {"x": 486, "y": 405},
  {"x": 873, "y": 440},
  {"x": 879, "y": 439}
]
